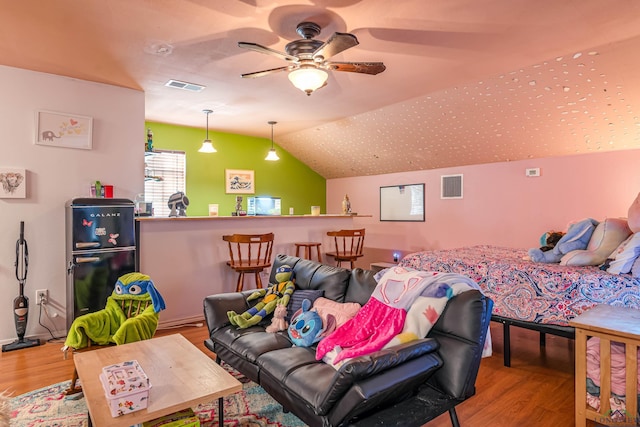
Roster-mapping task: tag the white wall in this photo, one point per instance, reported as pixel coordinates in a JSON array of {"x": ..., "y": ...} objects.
[
  {"x": 501, "y": 206},
  {"x": 57, "y": 175}
]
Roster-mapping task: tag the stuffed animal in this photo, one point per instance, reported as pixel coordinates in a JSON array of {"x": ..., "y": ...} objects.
[
  {"x": 550, "y": 239},
  {"x": 306, "y": 326},
  {"x": 278, "y": 323},
  {"x": 130, "y": 314},
  {"x": 278, "y": 294},
  {"x": 577, "y": 237}
]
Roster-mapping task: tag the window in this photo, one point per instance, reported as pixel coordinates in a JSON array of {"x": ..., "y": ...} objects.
[{"x": 164, "y": 174}]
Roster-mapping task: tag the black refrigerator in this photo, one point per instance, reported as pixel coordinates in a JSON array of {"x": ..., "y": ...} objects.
[{"x": 100, "y": 247}]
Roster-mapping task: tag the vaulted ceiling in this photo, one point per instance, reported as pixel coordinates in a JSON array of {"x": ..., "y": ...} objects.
[{"x": 466, "y": 81}]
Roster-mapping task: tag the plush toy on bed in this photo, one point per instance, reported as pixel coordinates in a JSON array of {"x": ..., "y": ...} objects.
[
  {"x": 278, "y": 294},
  {"x": 306, "y": 326},
  {"x": 550, "y": 239},
  {"x": 577, "y": 237}
]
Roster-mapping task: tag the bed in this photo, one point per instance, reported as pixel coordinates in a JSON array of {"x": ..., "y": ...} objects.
[{"x": 537, "y": 296}]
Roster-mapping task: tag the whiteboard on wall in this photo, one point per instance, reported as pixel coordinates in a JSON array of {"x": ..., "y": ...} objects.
[{"x": 402, "y": 202}]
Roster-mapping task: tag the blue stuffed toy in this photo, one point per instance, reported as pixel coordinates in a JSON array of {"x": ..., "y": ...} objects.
[
  {"x": 306, "y": 326},
  {"x": 577, "y": 237}
]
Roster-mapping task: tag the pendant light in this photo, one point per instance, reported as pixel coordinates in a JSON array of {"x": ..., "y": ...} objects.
[
  {"x": 207, "y": 146},
  {"x": 272, "y": 155}
]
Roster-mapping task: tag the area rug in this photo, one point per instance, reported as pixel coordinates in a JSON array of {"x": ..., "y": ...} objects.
[{"x": 252, "y": 407}]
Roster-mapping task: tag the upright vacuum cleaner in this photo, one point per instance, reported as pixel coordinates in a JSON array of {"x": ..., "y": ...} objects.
[{"x": 21, "y": 303}]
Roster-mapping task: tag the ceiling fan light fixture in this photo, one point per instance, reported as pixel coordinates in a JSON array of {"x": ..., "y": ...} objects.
[
  {"x": 207, "y": 146},
  {"x": 272, "y": 155},
  {"x": 308, "y": 79}
]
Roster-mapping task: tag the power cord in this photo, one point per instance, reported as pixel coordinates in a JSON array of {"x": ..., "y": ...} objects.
[{"x": 42, "y": 307}]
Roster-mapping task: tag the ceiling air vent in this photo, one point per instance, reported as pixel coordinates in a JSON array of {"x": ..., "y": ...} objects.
[
  {"x": 192, "y": 87},
  {"x": 451, "y": 186}
]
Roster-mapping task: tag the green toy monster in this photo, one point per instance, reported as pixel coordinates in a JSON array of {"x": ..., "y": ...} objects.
[{"x": 278, "y": 294}]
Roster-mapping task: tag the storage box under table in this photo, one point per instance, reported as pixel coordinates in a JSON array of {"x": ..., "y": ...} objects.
[
  {"x": 184, "y": 418},
  {"x": 126, "y": 387}
]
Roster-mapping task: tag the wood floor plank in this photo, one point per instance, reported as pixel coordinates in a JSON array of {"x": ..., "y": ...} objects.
[{"x": 538, "y": 390}]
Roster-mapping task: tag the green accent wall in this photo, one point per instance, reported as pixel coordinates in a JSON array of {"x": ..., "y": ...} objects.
[{"x": 288, "y": 178}]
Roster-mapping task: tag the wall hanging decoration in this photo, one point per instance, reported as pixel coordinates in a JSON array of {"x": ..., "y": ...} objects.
[
  {"x": 13, "y": 183},
  {"x": 63, "y": 130},
  {"x": 239, "y": 181}
]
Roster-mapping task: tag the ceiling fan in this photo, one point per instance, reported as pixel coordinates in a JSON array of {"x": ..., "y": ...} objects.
[{"x": 309, "y": 58}]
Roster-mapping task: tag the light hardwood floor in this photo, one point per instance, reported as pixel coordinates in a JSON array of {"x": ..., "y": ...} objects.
[{"x": 537, "y": 390}]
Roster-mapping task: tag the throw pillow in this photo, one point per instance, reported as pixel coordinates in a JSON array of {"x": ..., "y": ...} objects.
[
  {"x": 625, "y": 255},
  {"x": 605, "y": 238},
  {"x": 341, "y": 311},
  {"x": 299, "y": 295}
]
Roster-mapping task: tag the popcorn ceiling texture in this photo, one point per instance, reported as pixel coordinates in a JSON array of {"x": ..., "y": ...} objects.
[{"x": 572, "y": 104}]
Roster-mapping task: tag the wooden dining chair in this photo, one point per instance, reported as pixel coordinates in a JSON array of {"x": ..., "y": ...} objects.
[
  {"x": 348, "y": 245},
  {"x": 249, "y": 253}
]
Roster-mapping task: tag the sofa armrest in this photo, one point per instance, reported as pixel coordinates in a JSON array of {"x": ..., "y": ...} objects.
[
  {"x": 217, "y": 306},
  {"x": 379, "y": 361}
]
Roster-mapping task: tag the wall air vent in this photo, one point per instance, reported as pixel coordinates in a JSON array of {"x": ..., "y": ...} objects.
[
  {"x": 451, "y": 186},
  {"x": 192, "y": 87}
]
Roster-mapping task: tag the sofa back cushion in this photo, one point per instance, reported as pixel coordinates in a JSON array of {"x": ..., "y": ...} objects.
[
  {"x": 313, "y": 275},
  {"x": 361, "y": 286}
]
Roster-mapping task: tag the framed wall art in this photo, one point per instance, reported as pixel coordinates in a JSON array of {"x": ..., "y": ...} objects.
[
  {"x": 13, "y": 183},
  {"x": 63, "y": 130},
  {"x": 239, "y": 181}
]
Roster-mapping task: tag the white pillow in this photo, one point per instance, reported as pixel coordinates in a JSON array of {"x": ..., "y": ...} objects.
[{"x": 625, "y": 255}]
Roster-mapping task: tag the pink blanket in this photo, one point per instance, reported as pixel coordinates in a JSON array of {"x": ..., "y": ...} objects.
[{"x": 617, "y": 365}]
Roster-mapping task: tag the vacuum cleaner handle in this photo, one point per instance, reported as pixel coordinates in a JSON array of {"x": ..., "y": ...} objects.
[{"x": 21, "y": 232}]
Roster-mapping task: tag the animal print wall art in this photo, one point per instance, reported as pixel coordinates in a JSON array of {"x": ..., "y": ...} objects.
[{"x": 13, "y": 183}]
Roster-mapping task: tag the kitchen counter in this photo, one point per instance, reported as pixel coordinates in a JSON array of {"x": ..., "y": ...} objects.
[{"x": 186, "y": 256}]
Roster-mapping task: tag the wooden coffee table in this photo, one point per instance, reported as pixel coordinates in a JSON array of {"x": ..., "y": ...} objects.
[{"x": 181, "y": 377}]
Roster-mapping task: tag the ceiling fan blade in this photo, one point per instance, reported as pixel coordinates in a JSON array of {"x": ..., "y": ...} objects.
[
  {"x": 357, "y": 67},
  {"x": 337, "y": 43},
  {"x": 264, "y": 72},
  {"x": 266, "y": 50}
]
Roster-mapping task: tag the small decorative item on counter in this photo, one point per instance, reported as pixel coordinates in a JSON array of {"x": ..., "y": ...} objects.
[
  {"x": 149, "y": 145},
  {"x": 99, "y": 190},
  {"x": 126, "y": 387},
  {"x": 346, "y": 205}
]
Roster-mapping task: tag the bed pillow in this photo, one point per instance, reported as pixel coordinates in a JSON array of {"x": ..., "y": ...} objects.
[
  {"x": 299, "y": 295},
  {"x": 635, "y": 268},
  {"x": 341, "y": 311},
  {"x": 633, "y": 216},
  {"x": 625, "y": 255},
  {"x": 604, "y": 240}
]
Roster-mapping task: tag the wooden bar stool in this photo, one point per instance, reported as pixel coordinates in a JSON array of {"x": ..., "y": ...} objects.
[
  {"x": 307, "y": 249},
  {"x": 249, "y": 253},
  {"x": 348, "y": 244}
]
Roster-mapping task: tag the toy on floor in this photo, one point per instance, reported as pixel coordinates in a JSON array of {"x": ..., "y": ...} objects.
[
  {"x": 130, "y": 314},
  {"x": 306, "y": 326},
  {"x": 278, "y": 294}
]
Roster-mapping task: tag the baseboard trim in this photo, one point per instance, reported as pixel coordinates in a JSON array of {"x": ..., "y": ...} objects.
[{"x": 195, "y": 321}]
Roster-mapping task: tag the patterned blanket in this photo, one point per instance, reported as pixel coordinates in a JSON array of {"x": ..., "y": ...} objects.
[{"x": 533, "y": 292}]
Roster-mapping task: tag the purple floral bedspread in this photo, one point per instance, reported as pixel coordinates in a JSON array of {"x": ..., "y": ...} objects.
[{"x": 528, "y": 291}]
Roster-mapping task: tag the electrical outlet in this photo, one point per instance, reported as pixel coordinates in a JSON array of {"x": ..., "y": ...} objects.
[{"x": 42, "y": 295}]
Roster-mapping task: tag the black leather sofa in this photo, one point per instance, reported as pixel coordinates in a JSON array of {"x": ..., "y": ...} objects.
[{"x": 406, "y": 385}]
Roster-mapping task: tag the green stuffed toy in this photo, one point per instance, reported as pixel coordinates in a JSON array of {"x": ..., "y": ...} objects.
[{"x": 278, "y": 294}]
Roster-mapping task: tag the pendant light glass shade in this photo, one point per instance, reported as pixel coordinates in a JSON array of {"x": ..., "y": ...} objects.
[
  {"x": 308, "y": 79},
  {"x": 207, "y": 146},
  {"x": 272, "y": 155}
]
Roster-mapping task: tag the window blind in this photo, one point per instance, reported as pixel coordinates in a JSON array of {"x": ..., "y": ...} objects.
[{"x": 164, "y": 174}]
